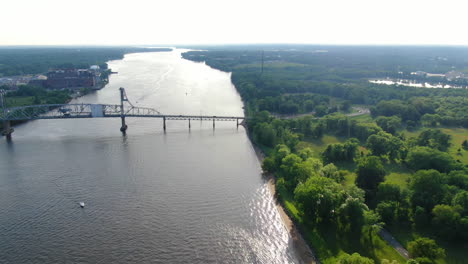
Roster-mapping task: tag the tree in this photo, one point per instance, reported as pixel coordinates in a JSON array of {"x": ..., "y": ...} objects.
[
  {"x": 420, "y": 158},
  {"x": 461, "y": 200},
  {"x": 372, "y": 220},
  {"x": 427, "y": 188},
  {"x": 434, "y": 138},
  {"x": 268, "y": 164},
  {"x": 355, "y": 258},
  {"x": 319, "y": 197},
  {"x": 425, "y": 248},
  {"x": 341, "y": 152},
  {"x": 290, "y": 167},
  {"x": 389, "y": 124},
  {"x": 384, "y": 143},
  {"x": 446, "y": 220},
  {"x": 265, "y": 134},
  {"x": 370, "y": 172},
  {"x": 465, "y": 144},
  {"x": 332, "y": 172},
  {"x": 389, "y": 192},
  {"x": 430, "y": 119},
  {"x": 345, "y": 106},
  {"x": 387, "y": 210},
  {"x": 321, "y": 110},
  {"x": 351, "y": 214}
]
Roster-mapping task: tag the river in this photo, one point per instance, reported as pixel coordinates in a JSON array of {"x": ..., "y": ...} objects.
[{"x": 184, "y": 196}]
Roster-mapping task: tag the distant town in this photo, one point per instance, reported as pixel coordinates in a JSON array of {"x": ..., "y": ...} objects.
[{"x": 57, "y": 79}]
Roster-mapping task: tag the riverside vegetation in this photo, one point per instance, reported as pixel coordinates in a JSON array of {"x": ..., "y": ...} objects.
[{"x": 344, "y": 178}]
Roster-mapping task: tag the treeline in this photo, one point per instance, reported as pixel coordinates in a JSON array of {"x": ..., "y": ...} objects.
[
  {"x": 429, "y": 111},
  {"x": 344, "y": 61},
  {"x": 34, "y": 60}
]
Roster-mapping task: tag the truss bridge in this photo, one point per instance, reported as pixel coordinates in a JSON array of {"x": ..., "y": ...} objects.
[{"x": 122, "y": 111}]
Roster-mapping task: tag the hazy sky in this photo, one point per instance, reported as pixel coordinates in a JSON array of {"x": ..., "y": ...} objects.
[{"x": 116, "y": 22}]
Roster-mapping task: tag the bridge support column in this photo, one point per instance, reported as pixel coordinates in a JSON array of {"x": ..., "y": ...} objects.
[
  {"x": 237, "y": 122},
  {"x": 123, "y": 98},
  {"x": 7, "y": 130},
  {"x": 124, "y": 126},
  {"x": 213, "y": 123},
  {"x": 164, "y": 123},
  {"x": 189, "y": 125}
]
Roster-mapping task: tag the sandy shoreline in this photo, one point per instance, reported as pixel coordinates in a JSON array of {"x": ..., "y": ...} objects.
[{"x": 303, "y": 251}]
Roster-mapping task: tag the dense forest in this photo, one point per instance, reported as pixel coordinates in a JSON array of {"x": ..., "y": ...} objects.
[
  {"x": 34, "y": 60},
  {"x": 343, "y": 177}
]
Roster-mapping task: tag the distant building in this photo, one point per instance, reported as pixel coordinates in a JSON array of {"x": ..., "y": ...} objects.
[
  {"x": 72, "y": 78},
  {"x": 95, "y": 68}
]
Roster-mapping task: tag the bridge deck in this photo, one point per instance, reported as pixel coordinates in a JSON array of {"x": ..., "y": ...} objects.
[{"x": 67, "y": 111}]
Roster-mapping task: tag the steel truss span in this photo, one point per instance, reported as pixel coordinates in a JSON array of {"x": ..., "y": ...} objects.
[
  {"x": 63, "y": 111},
  {"x": 124, "y": 110}
]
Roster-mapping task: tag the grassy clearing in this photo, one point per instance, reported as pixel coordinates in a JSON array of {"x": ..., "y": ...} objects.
[
  {"x": 397, "y": 174},
  {"x": 319, "y": 145},
  {"x": 329, "y": 244},
  {"x": 458, "y": 136}
]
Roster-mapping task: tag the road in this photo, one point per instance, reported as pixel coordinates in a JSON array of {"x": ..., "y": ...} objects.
[{"x": 359, "y": 111}]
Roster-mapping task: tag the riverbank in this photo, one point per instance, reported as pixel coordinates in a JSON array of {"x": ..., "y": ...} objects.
[{"x": 303, "y": 250}]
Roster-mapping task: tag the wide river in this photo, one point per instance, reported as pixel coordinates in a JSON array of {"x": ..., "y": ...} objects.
[{"x": 184, "y": 196}]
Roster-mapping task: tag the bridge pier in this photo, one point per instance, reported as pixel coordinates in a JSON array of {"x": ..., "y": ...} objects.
[
  {"x": 124, "y": 126},
  {"x": 189, "y": 125},
  {"x": 237, "y": 122},
  {"x": 213, "y": 123},
  {"x": 164, "y": 123},
  {"x": 7, "y": 129}
]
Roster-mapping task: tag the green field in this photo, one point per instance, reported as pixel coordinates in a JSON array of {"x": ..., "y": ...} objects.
[{"x": 458, "y": 136}]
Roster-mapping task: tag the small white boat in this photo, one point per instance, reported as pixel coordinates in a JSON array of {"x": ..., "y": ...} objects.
[{"x": 82, "y": 204}]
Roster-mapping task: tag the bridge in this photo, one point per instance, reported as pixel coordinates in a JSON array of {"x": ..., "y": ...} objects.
[{"x": 122, "y": 111}]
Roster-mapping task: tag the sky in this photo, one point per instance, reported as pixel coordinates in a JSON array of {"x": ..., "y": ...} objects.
[{"x": 155, "y": 22}]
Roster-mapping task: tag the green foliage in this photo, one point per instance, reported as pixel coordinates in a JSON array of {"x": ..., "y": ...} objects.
[
  {"x": 420, "y": 158},
  {"x": 355, "y": 258},
  {"x": 341, "y": 152},
  {"x": 319, "y": 197},
  {"x": 461, "y": 200},
  {"x": 389, "y": 124},
  {"x": 384, "y": 143},
  {"x": 389, "y": 192},
  {"x": 370, "y": 172},
  {"x": 265, "y": 134},
  {"x": 425, "y": 248},
  {"x": 332, "y": 172},
  {"x": 458, "y": 178},
  {"x": 387, "y": 210},
  {"x": 465, "y": 144},
  {"x": 446, "y": 221},
  {"x": 268, "y": 164},
  {"x": 434, "y": 138},
  {"x": 427, "y": 188}
]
